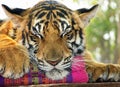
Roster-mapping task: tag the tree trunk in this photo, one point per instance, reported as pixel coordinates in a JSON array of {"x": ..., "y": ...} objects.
[{"x": 117, "y": 49}]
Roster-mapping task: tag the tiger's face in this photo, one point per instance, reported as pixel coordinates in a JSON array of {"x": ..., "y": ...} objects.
[{"x": 52, "y": 33}]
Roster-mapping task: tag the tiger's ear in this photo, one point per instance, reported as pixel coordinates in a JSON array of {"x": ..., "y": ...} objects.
[
  {"x": 16, "y": 15},
  {"x": 86, "y": 15}
]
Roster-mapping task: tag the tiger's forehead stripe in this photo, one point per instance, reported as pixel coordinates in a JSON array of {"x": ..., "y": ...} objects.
[
  {"x": 49, "y": 5},
  {"x": 50, "y": 9}
]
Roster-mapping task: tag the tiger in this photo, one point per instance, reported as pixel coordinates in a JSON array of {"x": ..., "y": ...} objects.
[
  {"x": 12, "y": 52},
  {"x": 54, "y": 34}
]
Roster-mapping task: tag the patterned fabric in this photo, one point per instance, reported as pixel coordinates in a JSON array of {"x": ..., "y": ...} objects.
[{"x": 78, "y": 75}]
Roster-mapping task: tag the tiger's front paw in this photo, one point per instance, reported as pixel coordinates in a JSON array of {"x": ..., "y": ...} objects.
[
  {"x": 14, "y": 61},
  {"x": 96, "y": 71},
  {"x": 113, "y": 72},
  {"x": 99, "y": 72}
]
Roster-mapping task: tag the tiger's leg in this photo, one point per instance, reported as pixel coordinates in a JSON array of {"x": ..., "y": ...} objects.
[
  {"x": 14, "y": 58},
  {"x": 14, "y": 61},
  {"x": 100, "y": 71}
]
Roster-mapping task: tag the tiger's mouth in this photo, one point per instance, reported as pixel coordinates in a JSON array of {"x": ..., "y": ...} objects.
[{"x": 58, "y": 71}]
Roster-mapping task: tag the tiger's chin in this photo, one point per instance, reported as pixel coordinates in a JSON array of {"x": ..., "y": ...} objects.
[{"x": 56, "y": 74}]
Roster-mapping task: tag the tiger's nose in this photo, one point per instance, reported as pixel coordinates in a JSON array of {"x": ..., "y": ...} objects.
[{"x": 53, "y": 62}]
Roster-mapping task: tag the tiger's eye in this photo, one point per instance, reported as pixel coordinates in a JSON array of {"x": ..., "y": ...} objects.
[{"x": 69, "y": 36}]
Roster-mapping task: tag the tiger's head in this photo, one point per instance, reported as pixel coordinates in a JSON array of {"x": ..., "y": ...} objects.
[{"x": 53, "y": 34}]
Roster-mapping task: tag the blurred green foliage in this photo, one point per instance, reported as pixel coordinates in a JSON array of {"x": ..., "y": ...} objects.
[{"x": 103, "y": 32}]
